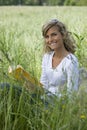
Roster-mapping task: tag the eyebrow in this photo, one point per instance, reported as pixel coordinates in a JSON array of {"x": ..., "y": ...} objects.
[{"x": 52, "y": 33}]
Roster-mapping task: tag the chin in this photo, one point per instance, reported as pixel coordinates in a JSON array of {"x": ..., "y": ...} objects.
[{"x": 53, "y": 48}]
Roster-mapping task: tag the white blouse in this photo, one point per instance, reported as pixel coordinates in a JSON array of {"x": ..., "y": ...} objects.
[{"x": 64, "y": 77}]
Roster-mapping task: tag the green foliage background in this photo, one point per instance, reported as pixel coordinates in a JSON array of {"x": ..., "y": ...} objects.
[
  {"x": 21, "y": 42},
  {"x": 44, "y": 2}
]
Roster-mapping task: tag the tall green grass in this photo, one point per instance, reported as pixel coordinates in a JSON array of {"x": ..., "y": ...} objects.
[{"x": 21, "y": 42}]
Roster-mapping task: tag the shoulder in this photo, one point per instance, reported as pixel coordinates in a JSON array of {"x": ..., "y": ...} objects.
[
  {"x": 71, "y": 62},
  {"x": 48, "y": 55},
  {"x": 71, "y": 59}
]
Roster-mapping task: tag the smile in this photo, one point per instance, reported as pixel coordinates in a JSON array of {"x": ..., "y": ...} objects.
[{"x": 52, "y": 44}]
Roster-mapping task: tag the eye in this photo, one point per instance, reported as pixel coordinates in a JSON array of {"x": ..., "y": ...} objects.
[
  {"x": 46, "y": 37},
  {"x": 54, "y": 34}
]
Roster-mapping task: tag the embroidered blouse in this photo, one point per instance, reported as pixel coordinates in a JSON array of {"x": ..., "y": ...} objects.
[{"x": 64, "y": 77}]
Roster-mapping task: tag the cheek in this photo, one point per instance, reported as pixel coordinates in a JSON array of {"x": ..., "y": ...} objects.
[{"x": 60, "y": 38}]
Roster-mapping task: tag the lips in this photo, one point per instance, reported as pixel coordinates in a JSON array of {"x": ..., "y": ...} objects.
[{"x": 52, "y": 44}]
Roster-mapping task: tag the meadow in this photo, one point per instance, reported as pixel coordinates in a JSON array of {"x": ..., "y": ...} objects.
[{"x": 21, "y": 42}]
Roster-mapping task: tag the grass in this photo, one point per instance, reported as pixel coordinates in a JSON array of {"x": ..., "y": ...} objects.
[{"x": 21, "y": 42}]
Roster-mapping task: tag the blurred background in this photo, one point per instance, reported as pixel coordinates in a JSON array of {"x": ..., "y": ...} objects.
[{"x": 44, "y": 2}]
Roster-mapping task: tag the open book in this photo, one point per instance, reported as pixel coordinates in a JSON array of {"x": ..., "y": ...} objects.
[{"x": 21, "y": 75}]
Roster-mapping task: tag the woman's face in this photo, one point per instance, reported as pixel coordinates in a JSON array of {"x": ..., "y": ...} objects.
[{"x": 54, "y": 38}]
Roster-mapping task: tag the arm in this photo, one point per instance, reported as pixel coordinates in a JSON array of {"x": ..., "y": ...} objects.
[
  {"x": 72, "y": 77},
  {"x": 43, "y": 78}
]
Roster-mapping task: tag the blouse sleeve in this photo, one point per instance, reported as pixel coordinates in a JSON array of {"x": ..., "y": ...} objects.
[
  {"x": 43, "y": 78},
  {"x": 72, "y": 77}
]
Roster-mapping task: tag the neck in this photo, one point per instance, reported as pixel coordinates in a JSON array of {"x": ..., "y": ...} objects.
[{"x": 60, "y": 53}]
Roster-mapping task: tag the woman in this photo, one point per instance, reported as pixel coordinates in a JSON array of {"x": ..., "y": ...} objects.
[{"x": 60, "y": 71}]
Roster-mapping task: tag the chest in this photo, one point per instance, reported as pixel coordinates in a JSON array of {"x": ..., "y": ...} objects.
[
  {"x": 56, "y": 62},
  {"x": 57, "y": 75}
]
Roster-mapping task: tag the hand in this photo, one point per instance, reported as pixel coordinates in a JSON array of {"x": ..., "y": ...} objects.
[{"x": 12, "y": 68}]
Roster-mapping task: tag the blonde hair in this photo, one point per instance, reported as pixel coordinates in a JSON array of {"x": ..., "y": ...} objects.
[{"x": 69, "y": 42}]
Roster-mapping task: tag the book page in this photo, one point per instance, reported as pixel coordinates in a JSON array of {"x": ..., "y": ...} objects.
[{"x": 21, "y": 75}]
